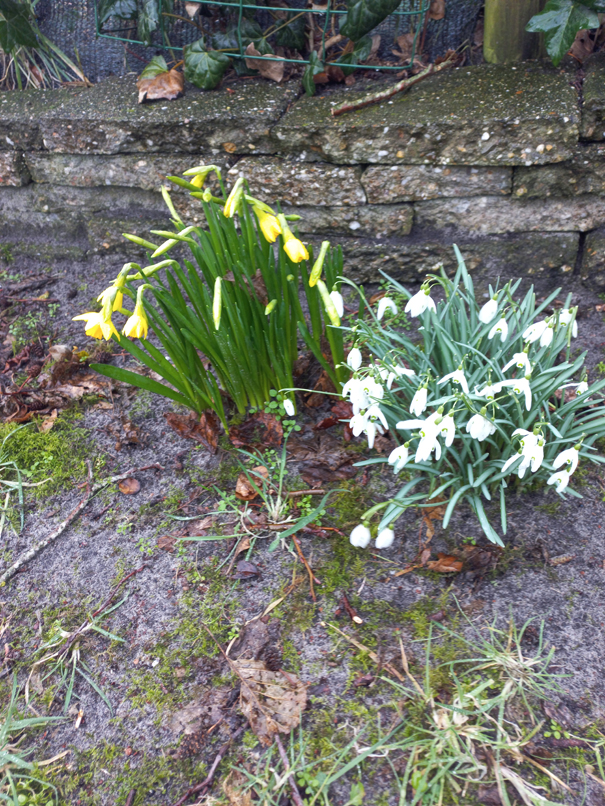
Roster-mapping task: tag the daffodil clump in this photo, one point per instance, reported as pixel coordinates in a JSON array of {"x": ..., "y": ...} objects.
[
  {"x": 227, "y": 317},
  {"x": 487, "y": 395}
]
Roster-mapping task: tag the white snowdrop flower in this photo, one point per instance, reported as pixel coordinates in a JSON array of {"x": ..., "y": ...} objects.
[
  {"x": 418, "y": 404},
  {"x": 458, "y": 377},
  {"x": 385, "y": 538},
  {"x": 520, "y": 386},
  {"x": 357, "y": 424},
  {"x": 491, "y": 390},
  {"x": 355, "y": 390},
  {"x": 532, "y": 448},
  {"x": 520, "y": 360},
  {"x": 447, "y": 429},
  {"x": 399, "y": 457},
  {"x": 385, "y": 304},
  {"x": 426, "y": 446},
  {"x": 489, "y": 310},
  {"x": 560, "y": 479},
  {"x": 373, "y": 389},
  {"x": 360, "y": 536},
  {"x": 547, "y": 336},
  {"x": 419, "y": 303},
  {"x": 395, "y": 372},
  {"x": 511, "y": 460},
  {"x": 354, "y": 359},
  {"x": 479, "y": 427},
  {"x": 338, "y": 301},
  {"x": 581, "y": 388},
  {"x": 568, "y": 457},
  {"x": 565, "y": 317},
  {"x": 500, "y": 327},
  {"x": 374, "y": 413},
  {"x": 535, "y": 331},
  {"x": 289, "y": 407}
]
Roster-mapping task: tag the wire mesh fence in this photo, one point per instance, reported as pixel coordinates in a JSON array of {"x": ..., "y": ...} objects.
[{"x": 284, "y": 30}]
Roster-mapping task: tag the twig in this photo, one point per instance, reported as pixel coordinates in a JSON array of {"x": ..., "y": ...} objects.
[
  {"x": 90, "y": 494},
  {"x": 388, "y": 666},
  {"x": 207, "y": 782},
  {"x": 312, "y": 577},
  {"x": 401, "y": 86},
  {"x": 298, "y": 801},
  {"x": 292, "y": 493},
  {"x": 131, "y": 796}
]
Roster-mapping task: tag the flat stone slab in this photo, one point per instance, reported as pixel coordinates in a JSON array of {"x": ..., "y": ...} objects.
[
  {"x": 377, "y": 221},
  {"x": 106, "y": 119},
  {"x": 400, "y": 183},
  {"x": 13, "y": 171},
  {"x": 144, "y": 171},
  {"x": 584, "y": 173},
  {"x": 593, "y": 263},
  {"x": 300, "y": 183},
  {"x": 483, "y": 115},
  {"x": 491, "y": 215}
]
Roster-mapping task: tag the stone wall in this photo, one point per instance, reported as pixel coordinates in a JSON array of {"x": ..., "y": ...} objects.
[{"x": 509, "y": 163}]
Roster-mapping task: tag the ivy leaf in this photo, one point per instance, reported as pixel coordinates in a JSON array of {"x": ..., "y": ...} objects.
[
  {"x": 204, "y": 68},
  {"x": 314, "y": 67},
  {"x": 148, "y": 19},
  {"x": 156, "y": 67},
  {"x": 365, "y": 15},
  {"x": 125, "y": 9},
  {"x": 560, "y": 22},
  {"x": 226, "y": 40},
  {"x": 362, "y": 50},
  {"x": 16, "y": 29},
  {"x": 292, "y": 35}
]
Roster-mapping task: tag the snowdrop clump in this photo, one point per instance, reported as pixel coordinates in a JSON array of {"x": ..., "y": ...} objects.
[{"x": 476, "y": 402}]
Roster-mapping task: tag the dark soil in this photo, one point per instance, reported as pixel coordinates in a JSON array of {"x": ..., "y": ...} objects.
[{"x": 172, "y": 694}]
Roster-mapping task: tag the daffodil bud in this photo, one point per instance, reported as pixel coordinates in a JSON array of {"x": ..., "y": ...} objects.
[
  {"x": 234, "y": 198},
  {"x": 270, "y": 307},
  {"x": 170, "y": 206},
  {"x": 140, "y": 241},
  {"x": 217, "y": 303},
  {"x": 328, "y": 303},
  {"x": 203, "y": 171},
  {"x": 319, "y": 263},
  {"x": 290, "y": 277}
]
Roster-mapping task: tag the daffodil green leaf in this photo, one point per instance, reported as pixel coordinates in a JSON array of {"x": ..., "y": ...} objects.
[
  {"x": 364, "y": 15},
  {"x": 560, "y": 21},
  {"x": 314, "y": 67},
  {"x": 125, "y": 9},
  {"x": 156, "y": 67},
  {"x": 204, "y": 68},
  {"x": 16, "y": 29},
  {"x": 140, "y": 381}
]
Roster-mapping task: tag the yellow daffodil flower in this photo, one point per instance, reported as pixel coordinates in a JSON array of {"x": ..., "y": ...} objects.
[
  {"x": 137, "y": 325},
  {"x": 295, "y": 249},
  {"x": 269, "y": 224},
  {"x": 112, "y": 299},
  {"x": 96, "y": 326}
]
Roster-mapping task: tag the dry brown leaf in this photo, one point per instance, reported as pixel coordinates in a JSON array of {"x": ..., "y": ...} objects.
[
  {"x": 192, "y": 9},
  {"x": 318, "y": 396},
  {"x": 233, "y": 787},
  {"x": 205, "y": 429},
  {"x": 272, "y": 702},
  {"x": 445, "y": 564},
  {"x": 167, "y": 543},
  {"x": 199, "y": 527},
  {"x": 244, "y": 489},
  {"x": 129, "y": 486},
  {"x": 434, "y": 513},
  {"x": 437, "y": 10},
  {"x": 165, "y": 86},
  {"x": 265, "y": 65},
  {"x": 48, "y": 422},
  {"x": 405, "y": 43},
  {"x": 583, "y": 45},
  {"x": 257, "y": 283},
  {"x": 261, "y": 428}
]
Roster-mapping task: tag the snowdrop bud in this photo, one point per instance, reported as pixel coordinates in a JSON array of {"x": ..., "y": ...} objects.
[
  {"x": 385, "y": 538},
  {"x": 360, "y": 536},
  {"x": 385, "y": 304},
  {"x": 289, "y": 407},
  {"x": 418, "y": 404},
  {"x": 354, "y": 359},
  {"x": 547, "y": 337},
  {"x": 581, "y": 388},
  {"x": 489, "y": 310}
]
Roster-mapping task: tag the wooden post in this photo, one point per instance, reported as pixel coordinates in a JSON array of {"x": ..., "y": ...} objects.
[{"x": 505, "y": 39}]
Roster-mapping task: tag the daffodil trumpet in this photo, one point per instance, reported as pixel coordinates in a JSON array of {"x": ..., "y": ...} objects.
[
  {"x": 137, "y": 325},
  {"x": 293, "y": 247},
  {"x": 268, "y": 224},
  {"x": 97, "y": 327}
]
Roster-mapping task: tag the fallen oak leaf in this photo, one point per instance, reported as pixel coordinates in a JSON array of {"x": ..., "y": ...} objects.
[
  {"x": 265, "y": 64},
  {"x": 157, "y": 82},
  {"x": 167, "y": 543},
  {"x": 445, "y": 564},
  {"x": 245, "y": 487},
  {"x": 129, "y": 486},
  {"x": 205, "y": 430}
]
